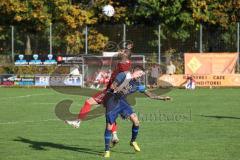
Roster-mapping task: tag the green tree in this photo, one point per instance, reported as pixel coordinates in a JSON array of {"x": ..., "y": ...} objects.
[
  {"x": 29, "y": 16},
  {"x": 70, "y": 20},
  {"x": 172, "y": 15},
  {"x": 215, "y": 12},
  {"x": 69, "y": 17}
]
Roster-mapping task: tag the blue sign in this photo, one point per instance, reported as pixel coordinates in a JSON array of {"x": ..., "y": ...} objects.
[
  {"x": 21, "y": 60},
  {"x": 42, "y": 81},
  {"x": 35, "y": 60},
  {"x": 50, "y": 60}
]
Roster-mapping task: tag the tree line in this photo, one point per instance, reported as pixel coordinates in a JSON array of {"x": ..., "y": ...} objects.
[{"x": 71, "y": 16}]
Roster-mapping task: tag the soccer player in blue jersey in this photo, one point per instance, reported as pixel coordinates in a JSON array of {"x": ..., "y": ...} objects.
[{"x": 116, "y": 104}]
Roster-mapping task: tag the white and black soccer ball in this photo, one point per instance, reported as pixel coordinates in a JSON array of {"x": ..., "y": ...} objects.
[{"x": 108, "y": 10}]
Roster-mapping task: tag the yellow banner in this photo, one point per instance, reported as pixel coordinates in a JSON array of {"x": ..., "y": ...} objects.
[
  {"x": 210, "y": 63},
  {"x": 229, "y": 80}
]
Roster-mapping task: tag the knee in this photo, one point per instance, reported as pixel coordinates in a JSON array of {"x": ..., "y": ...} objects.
[
  {"x": 136, "y": 123},
  {"x": 109, "y": 126},
  {"x": 135, "y": 119},
  {"x": 90, "y": 101}
]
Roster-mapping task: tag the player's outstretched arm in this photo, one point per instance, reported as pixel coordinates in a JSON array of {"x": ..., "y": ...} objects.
[{"x": 154, "y": 96}]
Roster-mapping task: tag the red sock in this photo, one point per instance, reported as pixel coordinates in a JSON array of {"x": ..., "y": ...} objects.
[
  {"x": 84, "y": 111},
  {"x": 114, "y": 128}
]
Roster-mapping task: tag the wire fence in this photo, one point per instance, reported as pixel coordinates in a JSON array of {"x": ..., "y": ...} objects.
[{"x": 155, "y": 42}]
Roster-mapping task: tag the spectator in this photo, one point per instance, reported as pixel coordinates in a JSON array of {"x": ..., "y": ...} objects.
[
  {"x": 155, "y": 70},
  {"x": 190, "y": 83},
  {"x": 171, "y": 69}
]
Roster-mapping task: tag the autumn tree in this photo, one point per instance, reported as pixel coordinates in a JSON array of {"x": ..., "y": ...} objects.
[
  {"x": 29, "y": 16},
  {"x": 222, "y": 13},
  {"x": 219, "y": 19},
  {"x": 70, "y": 17}
]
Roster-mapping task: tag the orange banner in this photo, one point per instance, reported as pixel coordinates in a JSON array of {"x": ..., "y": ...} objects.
[
  {"x": 210, "y": 63},
  {"x": 230, "y": 80}
]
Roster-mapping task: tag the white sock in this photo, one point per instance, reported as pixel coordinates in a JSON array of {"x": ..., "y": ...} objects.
[{"x": 115, "y": 135}]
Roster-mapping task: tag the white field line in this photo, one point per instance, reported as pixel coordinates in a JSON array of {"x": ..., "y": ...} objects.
[
  {"x": 17, "y": 122},
  {"x": 28, "y": 95},
  {"x": 46, "y": 120},
  {"x": 42, "y": 103}
]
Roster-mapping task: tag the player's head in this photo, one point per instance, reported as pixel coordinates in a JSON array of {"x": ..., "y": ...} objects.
[
  {"x": 124, "y": 54},
  {"x": 127, "y": 53},
  {"x": 138, "y": 72},
  {"x": 129, "y": 45}
]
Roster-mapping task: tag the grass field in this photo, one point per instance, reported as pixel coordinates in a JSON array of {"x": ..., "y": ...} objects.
[{"x": 197, "y": 125}]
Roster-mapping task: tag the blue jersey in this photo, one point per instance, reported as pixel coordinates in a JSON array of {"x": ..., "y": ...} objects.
[
  {"x": 131, "y": 87},
  {"x": 112, "y": 99}
]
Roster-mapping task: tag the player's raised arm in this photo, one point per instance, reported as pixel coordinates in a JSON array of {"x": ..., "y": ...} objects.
[
  {"x": 142, "y": 89},
  {"x": 154, "y": 96}
]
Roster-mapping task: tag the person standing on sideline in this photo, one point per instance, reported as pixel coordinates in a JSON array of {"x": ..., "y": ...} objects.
[
  {"x": 155, "y": 70},
  {"x": 171, "y": 68}
]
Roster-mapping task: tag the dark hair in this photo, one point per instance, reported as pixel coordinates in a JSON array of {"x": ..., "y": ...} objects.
[
  {"x": 138, "y": 67},
  {"x": 128, "y": 53}
]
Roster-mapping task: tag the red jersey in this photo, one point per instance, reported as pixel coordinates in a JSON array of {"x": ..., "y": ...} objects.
[{"x": 121, "y": 67}]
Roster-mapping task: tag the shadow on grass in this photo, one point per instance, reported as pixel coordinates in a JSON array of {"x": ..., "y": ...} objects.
[
  {"x": 133, "y": 152},
  {"x": 220, "y": 117},
  {"x": 43, "y": 145}
]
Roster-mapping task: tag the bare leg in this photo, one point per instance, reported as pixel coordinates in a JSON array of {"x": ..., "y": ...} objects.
[
  {"x": 86, "y": 108},
  {"x": 135, "y": 129}
]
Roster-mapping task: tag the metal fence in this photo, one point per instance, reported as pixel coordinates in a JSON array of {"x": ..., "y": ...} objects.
[{"x": 152, "y": 41}]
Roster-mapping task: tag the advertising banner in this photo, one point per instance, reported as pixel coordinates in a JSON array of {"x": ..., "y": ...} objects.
[
  {"x": 65, "y": 80},
  {"x": 42, "y": 80},
  {"x": 210, "y": 63},
  {"x": 24, "y": 80},
  {"x": 7, "y": 80},
  {"x": 35, "y": 59},
  {"x": 230, "y": 80}
]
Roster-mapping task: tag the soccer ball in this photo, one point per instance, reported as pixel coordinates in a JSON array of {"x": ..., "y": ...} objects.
[{"x": 108, "y": 10}]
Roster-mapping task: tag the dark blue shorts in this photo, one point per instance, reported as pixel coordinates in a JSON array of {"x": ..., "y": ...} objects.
[{"x": 122, "y": 108}]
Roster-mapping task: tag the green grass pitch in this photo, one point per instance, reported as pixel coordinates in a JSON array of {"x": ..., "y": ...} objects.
[{"x": 197, "y": 125}]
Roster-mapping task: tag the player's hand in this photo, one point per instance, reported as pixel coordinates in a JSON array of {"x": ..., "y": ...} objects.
[
  {"x": 167, "y": 98},
  {"x": 163, "y": 98}
]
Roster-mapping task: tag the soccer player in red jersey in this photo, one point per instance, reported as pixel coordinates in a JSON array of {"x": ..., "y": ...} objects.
[{"x": 122, "y": 66}]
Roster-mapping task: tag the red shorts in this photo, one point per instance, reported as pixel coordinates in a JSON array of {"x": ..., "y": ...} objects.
[{"x": 98, "y": 97}]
